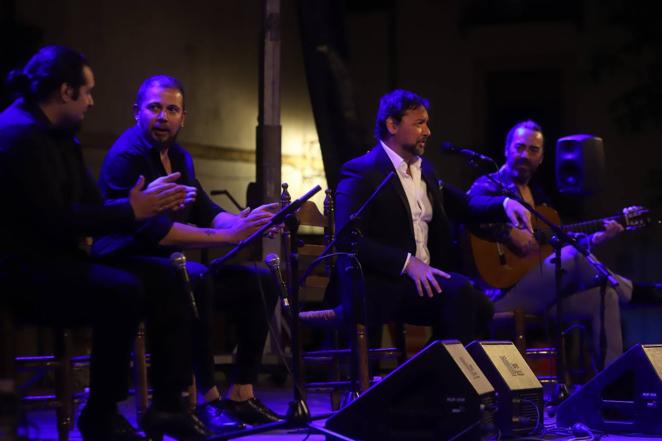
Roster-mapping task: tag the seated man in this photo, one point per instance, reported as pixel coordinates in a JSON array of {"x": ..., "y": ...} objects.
[
  {"x": 51, "y": 203},
  {"x": 150, "y": 149},
  {"x": 405, "y": 250},
  {"x": 535, "y": 292}
]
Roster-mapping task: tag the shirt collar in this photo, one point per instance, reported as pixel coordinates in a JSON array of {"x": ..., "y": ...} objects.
[{"x": 397, "y": 161}]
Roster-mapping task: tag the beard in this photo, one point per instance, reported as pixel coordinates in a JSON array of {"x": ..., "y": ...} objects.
[
  {"x": 70, "y": 125},
  {"x": 160, "y": 140},
  {"x": 522, "y": 170},
  {"x": 417, "y": 149}
]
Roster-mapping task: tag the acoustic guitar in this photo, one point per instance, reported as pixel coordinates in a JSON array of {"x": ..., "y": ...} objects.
[{"x": 501, "y": 267}]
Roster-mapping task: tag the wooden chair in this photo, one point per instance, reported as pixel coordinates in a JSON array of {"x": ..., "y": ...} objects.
[
  {"x": 310, "y": 218},
  {"x": 61, "y": 362},
  {"x": 542, "y": 355}
]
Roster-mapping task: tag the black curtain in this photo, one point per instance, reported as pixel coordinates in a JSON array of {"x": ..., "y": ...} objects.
[
  {"x": 325, "y": 55},
  {"x": 18, "y": 42}
]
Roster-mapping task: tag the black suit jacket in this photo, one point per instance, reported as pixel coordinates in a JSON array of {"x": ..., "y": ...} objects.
[{"x": 387, "y": 228}]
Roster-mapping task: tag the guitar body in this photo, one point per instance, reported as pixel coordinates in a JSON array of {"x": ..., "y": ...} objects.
[{"x": 498, "y": 266}]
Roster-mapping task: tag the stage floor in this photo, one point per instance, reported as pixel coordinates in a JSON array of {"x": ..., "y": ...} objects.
[{"x": 43, "y": 422}]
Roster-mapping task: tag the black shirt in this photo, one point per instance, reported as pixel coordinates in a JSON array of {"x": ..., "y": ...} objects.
[
  {"x": 133, "y": 155},
  {"x": 50, "y": 201}
]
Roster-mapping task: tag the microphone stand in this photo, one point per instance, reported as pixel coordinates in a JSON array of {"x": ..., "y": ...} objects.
[
  {"x": 559, "y": 240},
  {"x": 298, "y": 414}
]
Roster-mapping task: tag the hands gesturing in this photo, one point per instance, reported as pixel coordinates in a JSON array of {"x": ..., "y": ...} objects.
[{"x": 160, "y": 195}]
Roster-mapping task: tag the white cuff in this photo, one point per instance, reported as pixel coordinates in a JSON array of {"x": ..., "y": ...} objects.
[{"x": 404, "y": 267}]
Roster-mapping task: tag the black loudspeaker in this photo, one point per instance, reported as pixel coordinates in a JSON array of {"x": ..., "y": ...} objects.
[
  {"x": 439, "y": 394},
  {"x": 519, "y": 394},
  {"x": 580, "y": 165},
  {"x": 626, "y": 397}
]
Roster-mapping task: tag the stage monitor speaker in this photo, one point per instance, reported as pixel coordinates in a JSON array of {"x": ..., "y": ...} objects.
[
  {"x": 519, "y": 394},
  {"x": 580, "y": 165},
  {"x": 626, "y": 397},
  {"x": 438, "y": 394}
]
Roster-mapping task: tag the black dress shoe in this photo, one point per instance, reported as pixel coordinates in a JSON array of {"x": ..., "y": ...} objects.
[
  {"x": 107, "y": 426},
  {"x": 178, "y": 425},
  {"x": 251, "y": 411},
  {"x": 217, "y": 420}
]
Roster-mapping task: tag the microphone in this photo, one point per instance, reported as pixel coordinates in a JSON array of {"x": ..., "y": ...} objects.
[
  {"x": 449, "y": 147},
  {"x": 178, "y": 260},
  {"x": 273, "y": 262}
]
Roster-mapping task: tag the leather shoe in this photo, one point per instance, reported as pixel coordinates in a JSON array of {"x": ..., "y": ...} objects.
[
  {"x": 251, "y": 411},
  {"x": 179, "y": 425},
  {"x": 106, "y": 426},
  {"x": 323, "y": 318},
  {"x": 217, "y": 420}
]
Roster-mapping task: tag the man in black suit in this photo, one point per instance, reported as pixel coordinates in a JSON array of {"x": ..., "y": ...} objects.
[{"x": 406, "y": 232}]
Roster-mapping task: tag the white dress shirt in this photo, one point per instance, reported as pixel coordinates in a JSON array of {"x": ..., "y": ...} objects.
[{"x": 419, "y": 202}]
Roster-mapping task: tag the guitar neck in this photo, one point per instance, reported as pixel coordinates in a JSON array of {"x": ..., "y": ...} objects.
[{"x": 592, "y": 226}]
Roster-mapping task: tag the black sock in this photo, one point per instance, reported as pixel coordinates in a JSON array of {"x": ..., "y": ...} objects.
[
  {"x": 646, "y": 293},
  {"x": 100, "y": 406},
  {"x": 171, "y": 402}
]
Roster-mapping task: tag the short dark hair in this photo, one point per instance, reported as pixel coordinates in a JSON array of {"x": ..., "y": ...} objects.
[
  {"x": 46, "y": 71},
  {"x": 394, "y": 105},
  {"x": 164, "y": 81},
  {"x": 527, "y": 124}
]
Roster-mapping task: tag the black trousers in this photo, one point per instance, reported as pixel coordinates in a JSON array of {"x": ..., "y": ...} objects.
[
  {"x": 460, "y": 312},
  {"x": 69, "y": 292},
  {"x": 169, "y": 323},
  {"x": 181, "y": 344},
  {"x": 248, "y": 295}
]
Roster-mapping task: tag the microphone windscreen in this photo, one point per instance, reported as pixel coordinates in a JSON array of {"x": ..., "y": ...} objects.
[
  {"x": 272, "y": 260},
  {"x": 178, "y": 259}
]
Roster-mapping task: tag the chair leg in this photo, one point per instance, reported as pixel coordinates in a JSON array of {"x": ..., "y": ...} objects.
[
  {"x": 520, "y": 330},
  {"x": 399, "y": 336},
  {"x": 362, "y": 358},
  {"x": 64, "y": 383},
  {"x": 9, "y": 420},
  {"x": 140, "y": 373},
  {"x": 192, "y": 391}
]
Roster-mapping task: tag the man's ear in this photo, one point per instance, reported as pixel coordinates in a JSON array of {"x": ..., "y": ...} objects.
[
  {"x": 391, "y": 125},
  {"x": 136, "y": 110},
  {"x": 65, "y": 93},
  {"x": 183, "y": 118}
]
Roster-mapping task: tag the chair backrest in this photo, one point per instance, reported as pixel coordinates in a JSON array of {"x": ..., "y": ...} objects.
[{"x": 316, "y": 231}]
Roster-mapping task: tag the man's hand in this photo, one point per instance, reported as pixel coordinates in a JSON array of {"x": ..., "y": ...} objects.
[
  {"x": 522, "y": 241},
  {"x": 423, "y": 276},
  {"x": 155, "y": 200},
  {"x": 247, "y": 223},
  {"x": 269, "y": 208},
  {"x": 519, "y": 216},
  {"x": 189, "y": 194},
  {"x": 266, "y": 208},
  {"x": 612, "y": 228}
]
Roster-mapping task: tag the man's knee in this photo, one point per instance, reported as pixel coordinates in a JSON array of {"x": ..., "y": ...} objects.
[{"x": 267, "y": 286}]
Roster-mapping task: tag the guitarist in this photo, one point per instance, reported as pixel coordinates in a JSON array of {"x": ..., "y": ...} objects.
[{"x": 535, "y": 292}]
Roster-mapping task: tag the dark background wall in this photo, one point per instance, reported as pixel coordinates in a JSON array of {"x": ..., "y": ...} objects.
[{"x": 575, "y": 66}]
